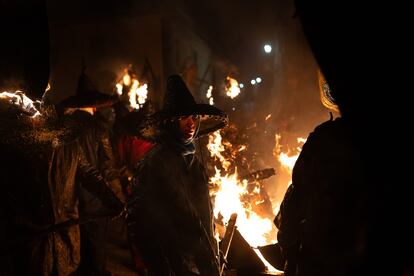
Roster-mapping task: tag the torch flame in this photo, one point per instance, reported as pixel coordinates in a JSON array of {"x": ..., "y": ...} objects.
[
  {"x": 232, "y": 88},
  {"x": 137, "y": 92},
  {"x": 209, "y": 95},
  {"x": 19, "y": 99},
  {"x": 126, "y": 79},
  {"x": 119, "y": 87}
]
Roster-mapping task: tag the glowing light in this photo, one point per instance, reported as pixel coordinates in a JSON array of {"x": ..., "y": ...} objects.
[
  {"x": 19, "y": 99},
  {"x": 232, "y": 88},
  {"x": 241, "y": 85},
  {"x": 119, "y": 88},
  {"x": 209, "y": 95},
  {"x": 216, "y": 148},
  {"x": 137, "y": 92},
  {"x": 287, "y": 158},
  {"x": 258, "y": 80},
  {"x": 229, "y": 194},
  {"x": 268, "y": 117},
  {"x": 267, "y": 48},
  {"x": 253, "y": 82},
  {"x": 209, "y": 90},
  {"x": 127, "y": 79}
]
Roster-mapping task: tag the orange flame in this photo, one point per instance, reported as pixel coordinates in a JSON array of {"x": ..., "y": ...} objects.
[
  {"x": 216, "y": 148},
  {"x": 19, "y": 99},
  {"x": 288, "y": 158},
  {"x": 137, "y": 92},
  {"x": 209, "y": 95},
  {"x": 228, "y": 194},
  {"x": 253, "y": 227},
  {"x": 232, "y": 88}
]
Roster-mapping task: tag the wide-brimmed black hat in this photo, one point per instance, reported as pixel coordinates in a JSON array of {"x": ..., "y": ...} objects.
[
  {"x": 88, "y": 96},
  {"x": 178, "y": 103}
]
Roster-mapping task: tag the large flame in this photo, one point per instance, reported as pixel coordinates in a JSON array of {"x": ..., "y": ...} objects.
[
  {"x": 137, "y": 92},
  {"x": 232, "y": 88},
  {"x": 230, "y": 193},
  {"x": 227, "y": 200}
]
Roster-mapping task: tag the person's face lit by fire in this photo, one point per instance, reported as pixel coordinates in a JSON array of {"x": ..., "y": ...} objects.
[{"x": 188, "y": 126}]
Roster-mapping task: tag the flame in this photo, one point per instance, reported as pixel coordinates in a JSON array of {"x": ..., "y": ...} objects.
[
  {"x": 137, "y": 92},
  {"x": 288, "y": 161},
  {"x": 119, "y": 87},
  {"x": 301, "y": 140},
  {"x": 126, "y": 79},
  {"x": 242, "y": 148},
  {"x": 254, "y": 228},
  {"x": 216, "y": 147},
  {"x": 209, "y": 95},
  {"x": 19, "y": 99},
  {"x": 232, "y": 88},
  {"x": 287, "y": 158},
  {"x": 229, "y": 194}
]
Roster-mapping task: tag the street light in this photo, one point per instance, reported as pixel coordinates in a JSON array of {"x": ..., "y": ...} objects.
[{"x": 267, "y": 48}]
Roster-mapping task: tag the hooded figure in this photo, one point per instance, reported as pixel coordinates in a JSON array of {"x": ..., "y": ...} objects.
[
  {"x": 170, "y": 214},
  {"x": 41, "y": 156},
  {"x": 345, "y": 198}
]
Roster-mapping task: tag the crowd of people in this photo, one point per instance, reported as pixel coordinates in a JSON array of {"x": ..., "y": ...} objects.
[{"x": 66, "y": 170}]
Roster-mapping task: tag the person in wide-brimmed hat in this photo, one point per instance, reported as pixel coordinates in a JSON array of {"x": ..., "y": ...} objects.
[
  {"x": 97, "y": 148},
  {"x": 88, "y": 96},
  {"x": 42, "y": 165},
  {"x": 170, "y": 219},
  {"x": 179, "y": 103}
]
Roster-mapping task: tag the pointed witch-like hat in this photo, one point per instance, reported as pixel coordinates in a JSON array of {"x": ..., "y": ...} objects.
[
  {"x": 88, "y": 96},
  {"x": 178, "y": 103}
]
